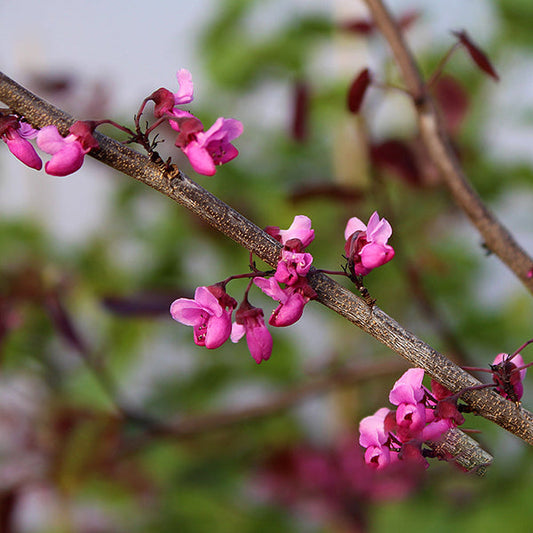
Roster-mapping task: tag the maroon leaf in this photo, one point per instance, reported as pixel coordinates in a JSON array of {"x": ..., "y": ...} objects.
[
  {"x": 396, "y": 156},
  {"x": 358, "y": 89},
  {"x": 479, "y": 57},
  {"x": 300, "y": 118},
  {"x": 359, "y": 26},
  {"x": 453, "y": 101}
]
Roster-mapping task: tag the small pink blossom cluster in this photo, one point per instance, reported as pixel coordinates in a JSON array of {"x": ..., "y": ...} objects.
[
  {"x": 204, "y": 149},
  {"x": 67, "y": 152},
  {"x": 421, "y": 416},
  {"x": 210, "y": 311}
]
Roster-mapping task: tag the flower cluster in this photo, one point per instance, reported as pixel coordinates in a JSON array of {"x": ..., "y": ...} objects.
[
  {"x": 204, "y": 149},
  {"x": 67, "y": 152},
  {"x": 210, "y": 311},
  {"x": 421, "y": 416}
]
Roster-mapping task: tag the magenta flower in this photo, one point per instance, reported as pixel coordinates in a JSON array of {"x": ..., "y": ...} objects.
[
  {"x": 366, "y": 246},
  {"x": 67, "y": 152},
  {"x": 209, "y": 314},
  {"x": 292, "y": 266},
  {"x": 165, "y": 100},
  {"x": 207, "y": 149},
  {"x": 291, "y": 300},
  {"x": 15, "y": 134},
  {"x": 249, "y": 321},
  {"x": 373, "y": 436},
  {"x": 408, "y": 389},
  {"x": 299, "y": 229}
]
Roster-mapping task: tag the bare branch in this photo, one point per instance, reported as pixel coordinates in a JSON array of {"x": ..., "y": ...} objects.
[{"x": 496, "y": 237}]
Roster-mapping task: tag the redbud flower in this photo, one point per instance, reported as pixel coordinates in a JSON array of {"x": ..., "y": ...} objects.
[
  {"x": 292, "y": 300},
  {"x": 16, "y": 134},
  {"x": 249, "y": 320},
  {"x": 373, "y": 436},
  {"x": 165, "y": 100},
  {"x": 366, "y": 246},
  {"x": 299, "y": 229},
  {"x": 292, "y": 266},
  {"x": 206, "y": 149},
  {"x": 209, "y": 314},
  {"x": 67, "y": 152}
]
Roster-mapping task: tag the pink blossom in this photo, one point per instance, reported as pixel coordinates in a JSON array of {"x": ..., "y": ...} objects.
[
  {"x": 408, "y": 389},
  {"x": 292, "y": 266},
  {"x": 299, "y": 229},
  {"x": 249, "y": 320},
  {"x": 67, "y": 152},
  {"x": 366, "y": 246},
  {"x": 15, "y": 134},
  {"x": 292, "y": 300},
  {"x": 207, "y": 149},
  {"x": 165, "y": 100},
  {"x": 373, "y": 436},
  {"x": 209, "y": 314}
]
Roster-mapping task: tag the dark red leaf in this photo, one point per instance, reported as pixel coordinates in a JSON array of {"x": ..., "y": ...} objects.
[
  {"x": 479, "y": 57},
  {"x": 396, "y": 156},
  {"x": 359, "y": 26},
  {"x": 407, "y": 19},
  {"x": 300, "y": 118},
  {"x": 358, "y": 89},
  {"x": 453, "y": 101}
]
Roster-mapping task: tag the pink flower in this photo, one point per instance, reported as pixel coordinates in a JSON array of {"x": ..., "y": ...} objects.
[
  {"x": 292, "y": 300},
  {"x": 16, "y": 134},
  {"x": 408, "y": 389},
  {"x": 206, "y": 149},
  {"x": 209, "y": 314},
  {"x": 292, "y": 266},
  {"x": 165, "y": 100},
  {"x": 366, "y": 246},
  {"x": 373, "y": 436},
  {"x": 249, "y": 320},
  {"x": 67, "y": 152},
  {"x": 507, "y": 378},
  {"x": 300, "y": 229}
]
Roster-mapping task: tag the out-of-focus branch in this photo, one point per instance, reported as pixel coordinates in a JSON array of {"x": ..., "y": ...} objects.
[
  {"x": 496, "y": 237},
  {"x": 180, "y": 188},
  {"x": 464, "y": 450}
]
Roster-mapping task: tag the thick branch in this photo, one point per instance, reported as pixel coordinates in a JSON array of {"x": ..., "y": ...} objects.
[
  {"x": 177, "y": 186},
  {"x": 496, "y": 237}
]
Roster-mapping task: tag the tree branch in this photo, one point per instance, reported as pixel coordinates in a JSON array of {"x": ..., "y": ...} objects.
[
  {"x": 496, "y": 237},
  {"x": 180, "y": 188}
]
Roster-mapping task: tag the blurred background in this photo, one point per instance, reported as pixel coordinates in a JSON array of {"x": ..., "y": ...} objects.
[{"x": 111, "y": 419}]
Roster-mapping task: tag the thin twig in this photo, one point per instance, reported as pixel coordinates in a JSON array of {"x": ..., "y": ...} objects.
[{"x": 496, "y": 237}]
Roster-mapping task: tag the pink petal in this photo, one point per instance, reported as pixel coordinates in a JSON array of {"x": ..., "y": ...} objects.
[
  {"x": 288, "y": 312},
  {"x": 375, "y": 255},
  {"x": 259, "y": 342},
  {"x": 49, "y": 140},
  {"x": 208, "y": 301},
  {"x": 186, "y": 311},
  {"x": 408, "y": 389},
  {"x": 24, "y": 151},
  {"x": 372, "y": 429},
  {"x": 200, "y": 159},
  {"x": 378, "y": 230},
  {"x": 186, "y": 88},
  {"x": 237, "y": 332},
  {"x": 299, "y": 229},
  {"x": 218, "y": 330},
  {"x": 65, "y": 161},
  {"x": 353, "y": 225}
]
